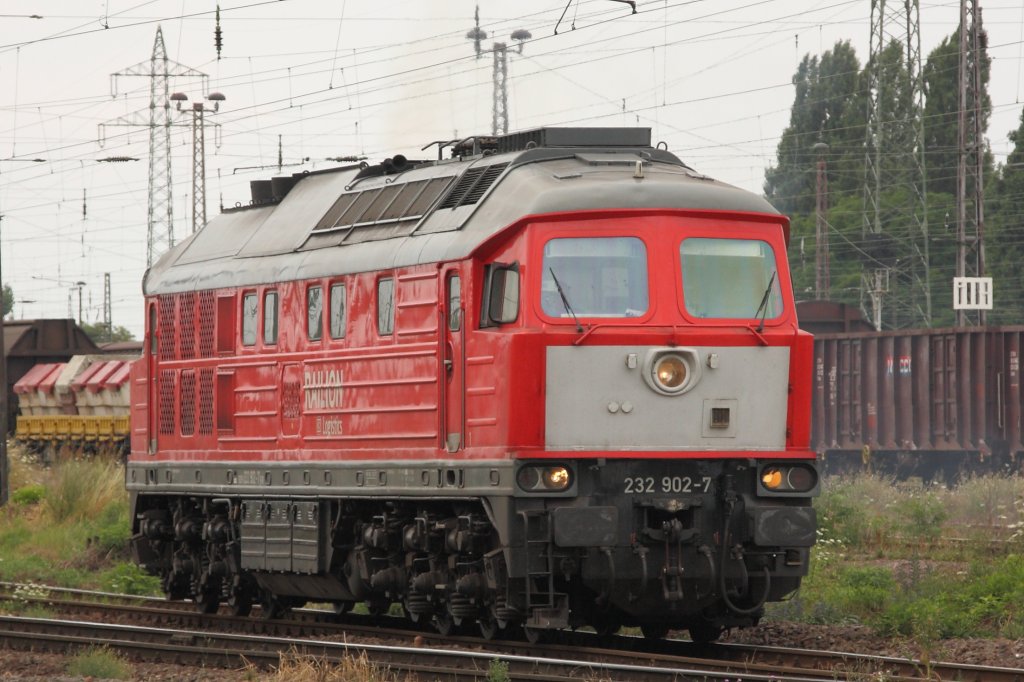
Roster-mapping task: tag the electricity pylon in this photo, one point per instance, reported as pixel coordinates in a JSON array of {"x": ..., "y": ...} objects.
[
  {"x": 159, "y": 69},
  {"x": 895, "y": 155}
]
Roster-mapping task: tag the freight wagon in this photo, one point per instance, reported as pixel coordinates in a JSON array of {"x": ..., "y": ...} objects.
[
  {"x": 918, "y": 402},
  {"x": 83, "y": 402}
]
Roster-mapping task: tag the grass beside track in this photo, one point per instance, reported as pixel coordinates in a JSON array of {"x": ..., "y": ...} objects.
[
  {"x": 68, "y": 524},
  {"x": 881, "y": 561}
]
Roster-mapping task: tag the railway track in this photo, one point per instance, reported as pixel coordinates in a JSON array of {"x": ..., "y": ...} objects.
[{"x": 187, "y": 636}]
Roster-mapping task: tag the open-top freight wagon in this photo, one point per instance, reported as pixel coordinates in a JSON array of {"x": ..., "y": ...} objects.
[{"x": 917, "y": 401}]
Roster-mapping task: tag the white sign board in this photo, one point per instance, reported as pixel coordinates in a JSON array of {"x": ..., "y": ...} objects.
[{"x": 972, "y": 293}]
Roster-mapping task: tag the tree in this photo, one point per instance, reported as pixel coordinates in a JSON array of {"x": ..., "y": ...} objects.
[
  {"x": 8, "y": 301},
  {"x": 1004, "y": 236},
  {"x": 942, "y": 86},
  {"x": 829, "y": 107},
  {"x": 97, "y": 331}
]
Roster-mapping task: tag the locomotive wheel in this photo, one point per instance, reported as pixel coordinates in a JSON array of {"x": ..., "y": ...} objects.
[
  {"x": 342, "y": 607},
  {"x": 703, "y": 632},
  {"x": 377, "y": 606},
  {"x": 273, "y": 607},
  {"x": 606, "y": 624},
  {"x": 208, "y": 601},
  {"x": 534, "y": 635},
  {"x": 240, "y": 604},
  {"x": 444, "y": 624},
  {"x": 488, "y": 626},
  {"x": 241, "y": 595},
  {"x": 654, "y": 630}
]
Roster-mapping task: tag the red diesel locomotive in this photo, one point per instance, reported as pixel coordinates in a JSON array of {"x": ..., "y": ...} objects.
[{"x": 554, "y": 380}]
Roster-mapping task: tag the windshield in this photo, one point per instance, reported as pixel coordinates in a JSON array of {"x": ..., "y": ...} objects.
[
  {"x": 727, "y": 278},
  {"x": 599, "y": 277}
]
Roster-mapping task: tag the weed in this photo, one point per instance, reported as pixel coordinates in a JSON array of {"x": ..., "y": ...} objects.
[
  {"x": 23, "y": 600},
  {"x": 295, "y": 667},
  {"x": 29, "y": 494},
  {"x": 497, "y": 671},
  {"x": 921, "y": 515},
  {"x": 82, "y": 489},
  {"x": 101, "y": 663},
  {"x": 129, "y": 578}
]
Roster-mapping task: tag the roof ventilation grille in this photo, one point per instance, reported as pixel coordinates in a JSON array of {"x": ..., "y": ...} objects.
[{"x": 472, "y": 185}]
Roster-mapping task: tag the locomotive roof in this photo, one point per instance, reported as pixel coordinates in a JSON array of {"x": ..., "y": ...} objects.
[{"x": 358, "y": 219}]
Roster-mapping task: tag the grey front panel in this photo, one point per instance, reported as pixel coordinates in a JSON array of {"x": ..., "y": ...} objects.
[{"x": 597, "y": 398}]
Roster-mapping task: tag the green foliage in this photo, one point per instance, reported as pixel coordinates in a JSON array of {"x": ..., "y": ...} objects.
[
  {"x": 130, "y": 578},
  {"x": 866, "y": 518},
  {"x": 29, "y": 494},
  {"x": 941, "y": 78},
  {"x": 830, "y": 106},
  {"x": 922, "y": 515},
  {"x": 79, "y": 528},
  {"x": 100, "y": 663},
  {"x": 497, "y": 671},
  {"x": 99, "y": 333},
  {"x": 7, "y": 300},
  {"x": 82, "y": 489}
]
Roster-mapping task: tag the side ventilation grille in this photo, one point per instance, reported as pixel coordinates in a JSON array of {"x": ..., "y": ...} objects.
[{"x": 472, "y": 186}]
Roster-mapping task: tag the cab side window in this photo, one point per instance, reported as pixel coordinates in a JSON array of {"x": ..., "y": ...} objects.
[
  {"x": 250, "y": 308},
  {"x": 454, "y": 303},
  {"x": 386, "y": 307},
  {"x": 270, "y": 317},
  {"x": 315, "y": 313},
  {"x": 338, "y": 310}
]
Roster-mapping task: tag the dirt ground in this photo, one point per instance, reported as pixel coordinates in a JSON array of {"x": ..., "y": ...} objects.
[{"x": 858, "y": 639}]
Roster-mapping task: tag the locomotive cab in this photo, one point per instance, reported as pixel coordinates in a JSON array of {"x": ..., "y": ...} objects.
[{"x": 666, "y": 472}]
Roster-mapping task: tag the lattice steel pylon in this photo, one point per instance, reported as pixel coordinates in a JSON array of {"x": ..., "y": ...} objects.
[
  {"x": 499, "y": 72},
  {"x": 159, "y": 69},
  {"x": 499, "y": 109},
  {"x": 895, "y": 155},
  {"x": 970, "y": 169}
]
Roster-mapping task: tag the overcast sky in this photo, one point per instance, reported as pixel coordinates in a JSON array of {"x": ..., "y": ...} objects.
[{"x": 375, "y": 78}]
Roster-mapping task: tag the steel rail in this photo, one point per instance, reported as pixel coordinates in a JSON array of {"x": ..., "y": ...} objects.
[
  {"x": 228, "y": 649},
  {"x": 727, "y": 657}
]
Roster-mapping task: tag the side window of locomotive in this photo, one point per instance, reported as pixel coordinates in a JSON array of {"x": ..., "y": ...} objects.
[
  {"x": 152, "y": 330},
  {"x": 386, "y": 307},
  {"x": 501, "y": 302},
  {"x": 315, "y": 313},
  {"x": 270, "y": 317},
  {"x": 337, "y": 311},
  {"x": 454, "y": 303},
  {"x": 730, "y": 278},
  {"x": 250, "y": 308},
  {"x": 594, "y": 277}
]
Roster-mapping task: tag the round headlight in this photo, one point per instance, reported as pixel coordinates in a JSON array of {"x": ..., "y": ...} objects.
[
  {"x": 528, "y": 478},
  {"x": 556, "y": 478},
  {"x": 670, "y": 372},
  {"x": 771, "y": 478},
  {"x": 800, "y": 479}
]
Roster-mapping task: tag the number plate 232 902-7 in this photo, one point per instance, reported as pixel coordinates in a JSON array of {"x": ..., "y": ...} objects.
[{"x": 666, "y": 485}]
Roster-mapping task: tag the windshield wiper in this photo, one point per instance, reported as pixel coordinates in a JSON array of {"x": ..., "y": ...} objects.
[
  {"x": 762, "y": 310},
  {"x": 565, "y": 301}
]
